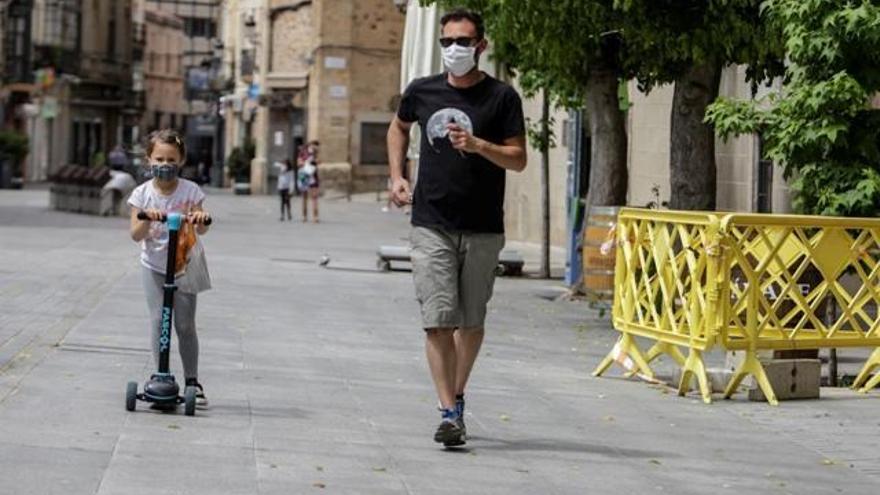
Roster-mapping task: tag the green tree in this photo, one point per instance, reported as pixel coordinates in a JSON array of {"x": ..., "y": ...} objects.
[
  {"x": 574, "y": 50},
  {"x": 689, "y": 42},
  {"x": 821, "y": 128}
]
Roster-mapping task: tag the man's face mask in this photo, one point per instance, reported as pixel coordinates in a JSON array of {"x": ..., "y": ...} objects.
[
  {"x": 163, "y": 171},
  {"x": 459, "y": 60}
]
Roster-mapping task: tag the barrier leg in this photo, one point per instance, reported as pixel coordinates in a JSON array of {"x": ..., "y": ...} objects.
[
  {"x": 658, "y": 350},
  {"x": 694, "y": 366},
  {"x": 872, "y": 363},
  {"x": 751, "y": 365},
  {"x": 625, "y": 348}
]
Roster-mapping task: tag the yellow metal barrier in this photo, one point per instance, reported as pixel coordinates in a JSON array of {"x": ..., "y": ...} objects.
[{"x": 746, "y": 282}]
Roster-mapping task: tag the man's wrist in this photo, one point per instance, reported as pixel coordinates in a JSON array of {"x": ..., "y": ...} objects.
[{"x": 481, "y": 145}]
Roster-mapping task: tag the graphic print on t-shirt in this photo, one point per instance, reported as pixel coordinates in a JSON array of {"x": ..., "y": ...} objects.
[{"x": 437, "y": 124}]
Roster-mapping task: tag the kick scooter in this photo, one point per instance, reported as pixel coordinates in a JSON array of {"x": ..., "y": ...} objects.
[{"x": 161, "y": 389}]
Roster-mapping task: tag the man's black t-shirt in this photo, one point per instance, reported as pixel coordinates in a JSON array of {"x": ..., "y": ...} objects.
[{"x": 459, "y": 191}]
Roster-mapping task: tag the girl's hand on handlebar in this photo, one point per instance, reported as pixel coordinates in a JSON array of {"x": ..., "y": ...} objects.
[
  {"x": 198, "y": 217},
  {"x": 154, "y": 214}
]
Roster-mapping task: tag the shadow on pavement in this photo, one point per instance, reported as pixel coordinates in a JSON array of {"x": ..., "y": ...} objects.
[{"x": 558, "y": 445}]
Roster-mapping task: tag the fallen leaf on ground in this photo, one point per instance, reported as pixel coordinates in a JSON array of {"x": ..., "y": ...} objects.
[
  {"x": 173, "y": 427},
  {"x": 828, "y": 462},
  {"x": 505, "y": 417},
  {"x": 608, "y": 418},
  {"x": 319, "y": 468},
  {"x": 379, "y": 469},
  {"x": 319, "y": 485},
  {"x": 654, "y": 461}
]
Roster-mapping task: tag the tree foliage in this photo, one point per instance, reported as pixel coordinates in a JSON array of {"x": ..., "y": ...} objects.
[
  {"x": 665, "y": 38},
  {"x": 820, "y": 127},
  {"x": 552, "y": 45}
]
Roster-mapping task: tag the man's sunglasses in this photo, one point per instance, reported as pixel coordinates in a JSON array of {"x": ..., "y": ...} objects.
[{"x": 465, "y": 41}]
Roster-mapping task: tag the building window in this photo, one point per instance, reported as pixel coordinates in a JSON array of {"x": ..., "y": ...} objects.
[
  {"x": 199, "y": 27},
  {"x": 374, "y": 149},
  {"x": 764, "y": 184},
  {"x": 17, "y": 44},
  {"x": 62, "y": 23},
  {"x": 111, "y": 34},
  {"x": 87, "y": 141}
]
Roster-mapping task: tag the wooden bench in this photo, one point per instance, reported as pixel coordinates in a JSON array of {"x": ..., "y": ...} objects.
[{"x": 510, "y": 262}]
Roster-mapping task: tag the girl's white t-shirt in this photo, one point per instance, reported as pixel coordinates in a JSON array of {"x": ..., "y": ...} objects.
[
  {"x": 285, "y": 178},
  {"x": 154, "y": 248}
]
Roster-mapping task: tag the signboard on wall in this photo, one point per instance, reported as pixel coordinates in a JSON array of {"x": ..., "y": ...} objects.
[
  {"x": 338, "y": 92},
  {"x": 338, "y": 63}
]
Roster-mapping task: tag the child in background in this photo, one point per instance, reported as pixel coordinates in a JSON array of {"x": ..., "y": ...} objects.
[{"x": 285, "y": 186}]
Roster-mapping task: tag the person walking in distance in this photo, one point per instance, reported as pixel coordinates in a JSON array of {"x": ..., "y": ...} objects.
[
  {"x": 473, "y": 131},
  {"x": 308, "y": 181}
]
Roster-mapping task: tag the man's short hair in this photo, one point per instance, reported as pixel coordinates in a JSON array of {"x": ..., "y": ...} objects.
[{"x": 459, "y": 14}]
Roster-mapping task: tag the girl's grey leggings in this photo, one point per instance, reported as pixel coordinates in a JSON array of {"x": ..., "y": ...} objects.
[{"x": 184, "y": 321}]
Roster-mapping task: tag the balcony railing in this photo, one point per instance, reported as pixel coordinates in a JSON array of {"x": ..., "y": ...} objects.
[{"x": 98, "y": 67}]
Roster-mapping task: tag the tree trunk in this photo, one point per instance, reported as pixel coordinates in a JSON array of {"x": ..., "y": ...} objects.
[
  {"x": 692, "y": 170},
  {"x": 608, "y": 168},
  {"x": 545, "y": 187}
]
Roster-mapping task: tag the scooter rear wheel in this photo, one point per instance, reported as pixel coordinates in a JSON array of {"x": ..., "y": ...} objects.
[
  {"x": 131, "y": 391},
  {"x": 189, "y": 401}
]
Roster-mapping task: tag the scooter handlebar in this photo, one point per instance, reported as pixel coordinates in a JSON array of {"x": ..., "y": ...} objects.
[{"x": 143, "y": 216}]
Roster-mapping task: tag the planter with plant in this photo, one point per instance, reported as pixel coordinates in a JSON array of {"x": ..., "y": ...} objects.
[
  {"x": 13, "y": 150},
  {"x": 239, "y": 164}
]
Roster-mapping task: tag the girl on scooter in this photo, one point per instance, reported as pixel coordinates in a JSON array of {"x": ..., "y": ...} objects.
[{"x": 166, "y": 193}]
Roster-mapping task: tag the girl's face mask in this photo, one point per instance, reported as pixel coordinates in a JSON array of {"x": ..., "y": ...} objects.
[{"x": 163, "y": 171}]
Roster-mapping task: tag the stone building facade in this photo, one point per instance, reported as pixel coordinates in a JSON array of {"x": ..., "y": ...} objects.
[
  {"x": 163, "y": 71},
  {"x": 314, "y": 70},
  {"x": 73, "y": 95}
]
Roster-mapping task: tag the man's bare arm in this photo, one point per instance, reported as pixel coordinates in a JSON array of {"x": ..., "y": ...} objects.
[
  {"x": 510, "y": 154},
  {"x": 398, "y": 142}
]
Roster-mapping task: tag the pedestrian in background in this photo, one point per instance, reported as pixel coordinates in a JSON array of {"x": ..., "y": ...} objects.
[
  {"x": 308, "y": 180},
  {"x": 473, "y": 131},
  {"x": 285, "y": 186}
]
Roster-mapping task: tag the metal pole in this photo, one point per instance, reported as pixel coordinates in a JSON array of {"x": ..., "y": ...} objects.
[{"x": 545, "y": 186}]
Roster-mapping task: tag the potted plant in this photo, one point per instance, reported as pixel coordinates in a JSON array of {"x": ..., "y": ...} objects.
[
  {"x": 13, "y": 150},
  {"x": 239, "y": 163}
]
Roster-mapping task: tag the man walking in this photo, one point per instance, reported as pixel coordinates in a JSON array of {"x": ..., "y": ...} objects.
[{"x": 472, "y": 133}]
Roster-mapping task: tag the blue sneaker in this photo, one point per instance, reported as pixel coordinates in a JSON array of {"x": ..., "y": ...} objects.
[{"x": 451, "y": 430}]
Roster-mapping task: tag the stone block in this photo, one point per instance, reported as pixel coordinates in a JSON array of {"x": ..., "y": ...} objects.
[{"x": 790, "y": 379}]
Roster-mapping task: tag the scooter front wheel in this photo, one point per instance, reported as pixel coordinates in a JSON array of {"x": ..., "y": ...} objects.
[
  {"x": 131, "y": 391},
  {"x": 189, "y": 401}
]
